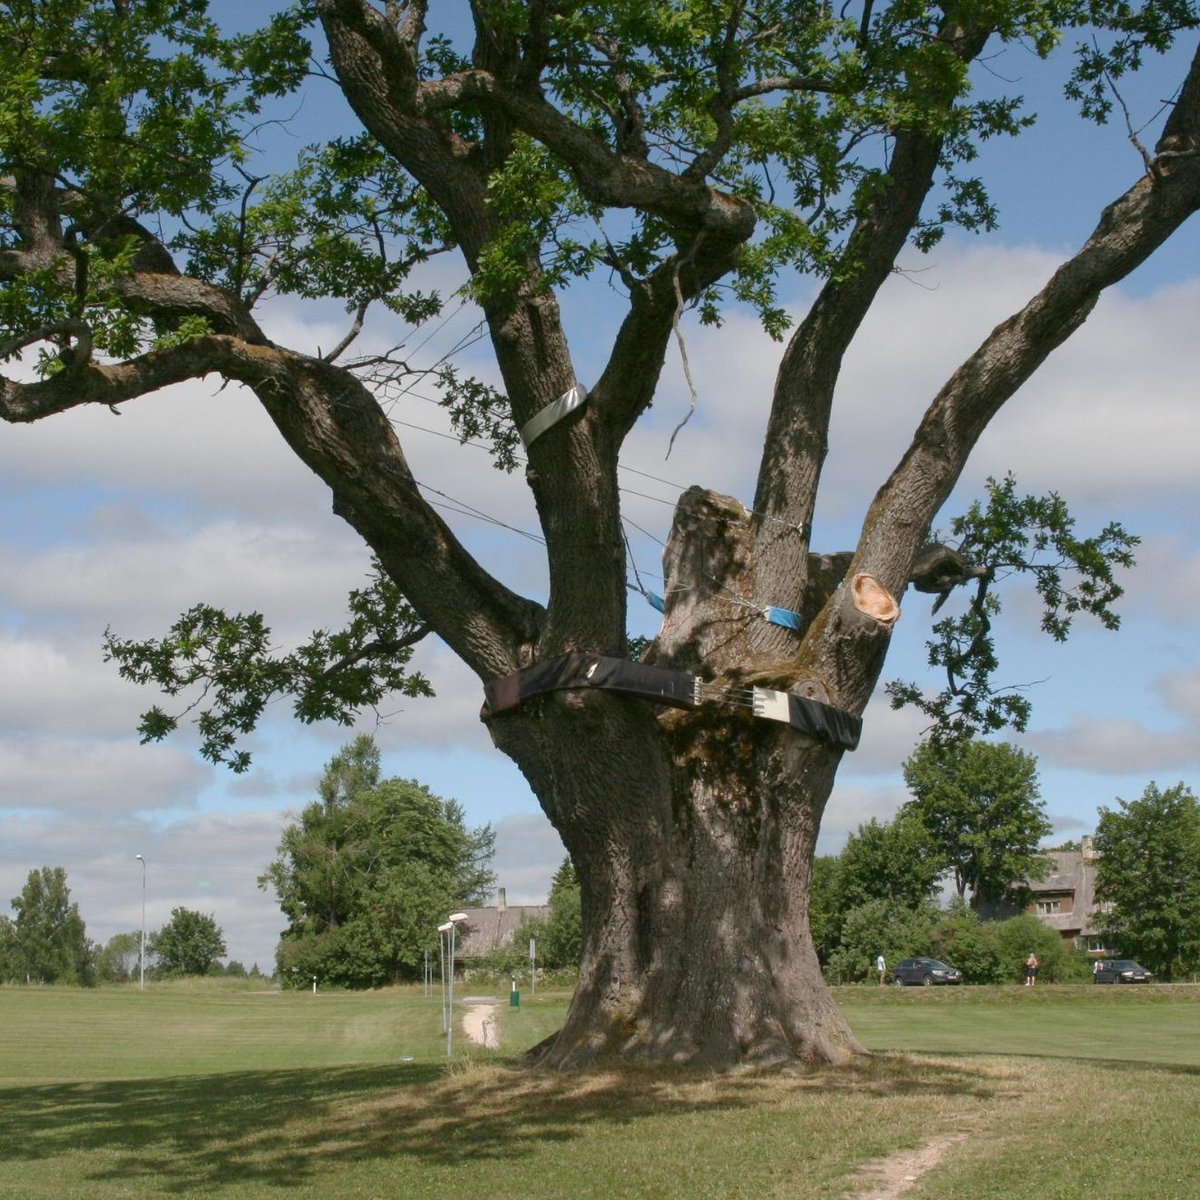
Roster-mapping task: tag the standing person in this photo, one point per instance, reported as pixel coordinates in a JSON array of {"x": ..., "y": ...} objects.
[
  {"x": 1031, "y": 969},
  {"x": 881, "y": 967}
]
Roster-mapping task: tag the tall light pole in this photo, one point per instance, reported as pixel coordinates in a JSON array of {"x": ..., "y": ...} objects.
[
  {"x": 142, "y": 954},
  {"x": 443, "y": 942},
  {"x": 450, "y": 929}
]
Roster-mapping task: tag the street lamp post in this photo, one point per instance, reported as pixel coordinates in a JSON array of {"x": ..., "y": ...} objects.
[
  {"x": 448, "y": 932},
  {"x": 142, "y": 953},
  {"x": 443, "y": 941}
]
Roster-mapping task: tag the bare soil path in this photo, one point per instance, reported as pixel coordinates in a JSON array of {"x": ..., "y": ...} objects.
[
  {"x": 479, "y": 1022},
  {"x": 889, "y": 1178}
]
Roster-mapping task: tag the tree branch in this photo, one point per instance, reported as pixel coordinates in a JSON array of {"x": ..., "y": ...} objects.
[
  {"x": 1129, "y": 231},
  {"x": 602, "y": 176},
  {"x": 116, "y": 383},
  {"x": 627, "y": 385},
  {"x": 797, "y": 431}
]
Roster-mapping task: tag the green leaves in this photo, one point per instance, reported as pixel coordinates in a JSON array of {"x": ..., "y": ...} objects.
[
  {"x": 979, "y": 803},
  {"x": 47, "y": 941},
  {"x": 141, "y": 105},
  {"x": 227, "y": 670},
  {"x": 1126, "y": 33},
  {"x": 111, "y": 115},
  {"x": 367, "y": 873},
  {"x": 189, "y": 944},
  {"x": 346, "y": 223},
  {"x": 1005, "y": 537},
  {"x": 1148, "y": 878}
]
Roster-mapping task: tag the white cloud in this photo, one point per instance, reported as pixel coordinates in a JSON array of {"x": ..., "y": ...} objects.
[
  {"x": 1117, "y": 746},
  {"x": 528, "y": 852},
  {"x": 850, "y": 806},
  {"x": 89, "y": 775},
  {"x": 1166, "y": 582},
  {"x": 62, "y": 688},
  {"x": 291, "y": 572},
  {"x": 1180, "y": 691},
  {"x": 1111, "y": 418},
  {"x": 1131, "y": 368},
  {"x": 212, "y": 449},
  {"x": 889, "y": 737}
]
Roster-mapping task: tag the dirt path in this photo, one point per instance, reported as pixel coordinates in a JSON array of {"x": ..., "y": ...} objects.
[
  {"x": 890, "y": 1178},
  {"x": 479, "y": 1024}
]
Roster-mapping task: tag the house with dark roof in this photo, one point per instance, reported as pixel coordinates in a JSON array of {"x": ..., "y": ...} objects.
[
  {"x": 494, "y": 927},
  {"x": 1065, "y": 900}
]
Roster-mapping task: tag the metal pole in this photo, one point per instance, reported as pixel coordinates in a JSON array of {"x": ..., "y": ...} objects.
[
  {"x": 450, "y": 929},
  {"x": 142, "y": 952},
  {"x": 443, "y": 934},
  {"x": 533, "y": 966},
  {"x": 450, "y": 1005}
]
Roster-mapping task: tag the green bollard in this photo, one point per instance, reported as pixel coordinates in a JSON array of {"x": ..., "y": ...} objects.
[{"x": 514, "y": 997}]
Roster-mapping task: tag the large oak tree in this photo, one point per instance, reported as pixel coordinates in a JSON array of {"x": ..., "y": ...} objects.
[{"x": 692, "y": 152}]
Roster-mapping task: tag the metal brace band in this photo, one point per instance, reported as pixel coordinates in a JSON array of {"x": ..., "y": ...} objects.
[
  {"x": 554, "y": 412},
  {"x": 676, "y": 689}
]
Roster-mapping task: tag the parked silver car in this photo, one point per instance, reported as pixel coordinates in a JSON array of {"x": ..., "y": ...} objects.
[{"x": 924, "y": 971}]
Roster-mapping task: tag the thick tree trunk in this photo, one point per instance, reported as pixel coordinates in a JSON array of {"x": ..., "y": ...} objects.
[
  {"x": 692, "y": 835},
  {"x": 692, "y": 830}
]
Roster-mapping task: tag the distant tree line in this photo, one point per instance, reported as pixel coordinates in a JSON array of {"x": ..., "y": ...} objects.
[
  {"x": 372, "y": 867},
  {"x": 46, "y": 942},
  {"x": 368, "y": 871},
  {"x": 974, "y": 823}
]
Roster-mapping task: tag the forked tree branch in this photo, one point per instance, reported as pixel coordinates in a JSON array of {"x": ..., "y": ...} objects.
[{"x": 1129, "y": 231}]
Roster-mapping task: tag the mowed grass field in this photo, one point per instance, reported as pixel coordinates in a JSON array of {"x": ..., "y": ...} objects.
[{"x": 980, "y": 1093}]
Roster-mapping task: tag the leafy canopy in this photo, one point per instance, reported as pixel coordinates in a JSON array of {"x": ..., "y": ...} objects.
[
  {"x": 190, "y": 943},
  {"x": 150, "y": 131},
  {"x": 368, "y": 871},
  {"x": 227, "y": 668},
  {"x": 1005, "y": 537},
  {"x": 139, "y": 114},
  {"x": 1148, "y": 878},
  {"x": 894, "y": 860},
  {"x": 46, "y": 942},
  {"x": 980, "y": 804}
]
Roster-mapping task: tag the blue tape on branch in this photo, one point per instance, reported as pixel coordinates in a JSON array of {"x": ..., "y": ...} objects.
[
  {"x": 554, "y": 412},
  {"x": 651, "y": 599},
  {"x": 784, "y": 617}
]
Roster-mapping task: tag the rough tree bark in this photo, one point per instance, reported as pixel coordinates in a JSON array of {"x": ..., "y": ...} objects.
[{"x": 692, "y": 832}]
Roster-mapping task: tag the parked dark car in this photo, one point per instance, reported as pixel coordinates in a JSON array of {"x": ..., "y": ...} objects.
[
  {"x": 925, "y": 971},
  {"x": 1120, "y": 970}
]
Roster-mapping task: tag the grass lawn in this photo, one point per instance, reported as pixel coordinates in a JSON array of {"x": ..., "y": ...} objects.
[
  {"x": 206, "y": 1091},
  {"x": 1128, "y": 1024}
]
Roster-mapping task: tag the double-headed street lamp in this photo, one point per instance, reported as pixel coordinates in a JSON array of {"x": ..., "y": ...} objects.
[
  {"x": 448, "y": 932},
  {"x": 142, "y": 953}
]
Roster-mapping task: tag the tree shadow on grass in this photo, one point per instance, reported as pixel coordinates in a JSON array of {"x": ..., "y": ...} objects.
[{"x": 283, "y": 1128}]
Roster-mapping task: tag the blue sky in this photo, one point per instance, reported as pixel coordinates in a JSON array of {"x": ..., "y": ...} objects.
[{"x": 190, "y": 496}]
